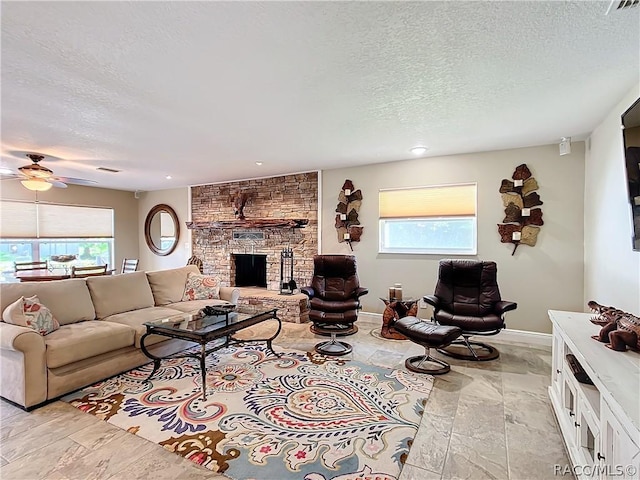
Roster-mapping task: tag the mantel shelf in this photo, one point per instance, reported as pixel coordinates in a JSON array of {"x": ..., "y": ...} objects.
[{"x": 251, "y": 223}]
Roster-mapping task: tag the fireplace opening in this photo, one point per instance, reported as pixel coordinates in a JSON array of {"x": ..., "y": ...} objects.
[{"x": 251, "y": 270}]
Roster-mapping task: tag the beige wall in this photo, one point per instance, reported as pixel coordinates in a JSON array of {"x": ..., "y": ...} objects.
[
  {"x": 178, "y": 199},
  {"x": 547, "y": 276},
  {"x": 612, "y": 268},
  {"x": 124, "y": 205}
]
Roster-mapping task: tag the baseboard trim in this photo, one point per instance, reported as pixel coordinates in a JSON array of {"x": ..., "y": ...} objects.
[
  {"x": 528, "y": 338},
  {"x": 507, "y": 335}
]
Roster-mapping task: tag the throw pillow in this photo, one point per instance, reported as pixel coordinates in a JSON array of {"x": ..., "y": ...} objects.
[
  {"x": 201, "y": 287},
  {"x": 29, "y": 312}
]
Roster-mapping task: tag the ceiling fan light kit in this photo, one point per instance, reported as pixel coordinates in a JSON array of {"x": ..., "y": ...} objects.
[{"x": 36, "y": 184}]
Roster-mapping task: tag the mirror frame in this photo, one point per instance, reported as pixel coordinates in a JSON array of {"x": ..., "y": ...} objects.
[{"x": 147, "y": 229}]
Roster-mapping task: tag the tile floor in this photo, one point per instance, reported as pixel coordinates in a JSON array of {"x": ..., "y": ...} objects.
[{"x": 488, "y": 420}]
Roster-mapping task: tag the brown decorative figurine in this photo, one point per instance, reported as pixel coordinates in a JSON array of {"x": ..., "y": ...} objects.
[
  {"x": 619, "y": 329},
  {"x": 395, "y": 310}
]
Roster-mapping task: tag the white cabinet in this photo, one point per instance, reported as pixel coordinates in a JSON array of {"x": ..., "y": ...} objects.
[
  {"x": 620, "y": 448},
  {"x": 569, "y": 405},
  {"x": 587, "y": 433},
  {"x": 558, "y": 358},
  {"x": 600, "y": 423}
]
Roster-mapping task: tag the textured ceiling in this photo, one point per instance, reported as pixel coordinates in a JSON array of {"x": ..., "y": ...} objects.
[{"x": 201, "y": 91}]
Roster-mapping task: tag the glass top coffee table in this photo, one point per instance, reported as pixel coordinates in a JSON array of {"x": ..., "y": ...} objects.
[{"x": 213, "y": 328}]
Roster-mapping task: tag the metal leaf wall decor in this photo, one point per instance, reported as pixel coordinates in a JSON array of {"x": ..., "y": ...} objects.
[
  {"x": 522, "y": 217},
  {"x": 347, "y": 223}
]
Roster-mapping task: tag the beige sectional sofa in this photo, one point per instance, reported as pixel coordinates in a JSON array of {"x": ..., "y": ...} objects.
[{"x": 101, "y": 322}]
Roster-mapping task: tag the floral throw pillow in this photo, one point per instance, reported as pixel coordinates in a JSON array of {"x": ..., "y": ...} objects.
[
  {"x": 29, "y": 312},
  {"x": 201, "y": 287}
]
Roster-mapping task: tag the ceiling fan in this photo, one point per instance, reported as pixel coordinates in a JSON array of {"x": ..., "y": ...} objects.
[{"x": 39, "y": 178}]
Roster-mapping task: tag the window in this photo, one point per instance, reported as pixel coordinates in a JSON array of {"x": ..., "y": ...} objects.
[
  {"x": 429, "y": 220},
  {"x": 36, "y": 231}
]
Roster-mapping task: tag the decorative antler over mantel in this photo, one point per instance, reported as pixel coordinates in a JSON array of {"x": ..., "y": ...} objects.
[{"x": 239, "y": 201}]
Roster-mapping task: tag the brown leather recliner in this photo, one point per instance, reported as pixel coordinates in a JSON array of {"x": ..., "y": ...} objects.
[
  {"x": 467, "y": 296},
  {"x": 334, "y": 300}
]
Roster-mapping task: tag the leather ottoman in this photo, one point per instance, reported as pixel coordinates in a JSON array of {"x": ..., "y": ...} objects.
[{"x": 429, "y": 335}]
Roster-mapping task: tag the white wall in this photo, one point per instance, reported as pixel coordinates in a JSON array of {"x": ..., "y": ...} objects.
[
  {"x": 612, "y": 268},
  {"x": 547, "y": 276},
  {"x": 178, "y": 199}
]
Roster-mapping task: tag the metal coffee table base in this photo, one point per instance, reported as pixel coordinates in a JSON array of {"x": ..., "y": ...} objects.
[{"x": 225, "y": 333}]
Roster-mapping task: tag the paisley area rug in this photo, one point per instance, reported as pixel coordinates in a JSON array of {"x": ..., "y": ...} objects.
[{"x": 300, "y": 415}]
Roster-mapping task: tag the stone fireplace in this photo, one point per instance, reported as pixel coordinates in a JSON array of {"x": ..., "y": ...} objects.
[{"x": 220, "y": 239}]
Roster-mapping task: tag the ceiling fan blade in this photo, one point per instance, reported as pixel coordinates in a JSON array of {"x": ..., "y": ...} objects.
[
  {"x": 56, "y": 183},
  {"x": 10, "y": 176},
  {"x": 75, "y": 181}
]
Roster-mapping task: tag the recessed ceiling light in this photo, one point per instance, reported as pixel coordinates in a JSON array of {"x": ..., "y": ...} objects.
[
  {"x": 258, "y": 163},
  {"x": 168, "y": 177},
  {"x": 418, "y": 150}
]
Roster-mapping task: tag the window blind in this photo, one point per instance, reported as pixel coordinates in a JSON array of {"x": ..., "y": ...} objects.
[
  {"x": 438, "y": 201},
  {"x": 42, "y": 220},
  {"x": 18, "y": 220},
  {"x": 64, "y": 221}
]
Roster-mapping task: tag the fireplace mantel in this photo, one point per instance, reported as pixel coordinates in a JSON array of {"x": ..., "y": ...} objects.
[{"x": 251, "y": 223}]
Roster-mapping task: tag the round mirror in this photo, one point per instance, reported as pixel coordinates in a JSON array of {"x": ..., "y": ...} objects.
[{"x": 162, "y": 230}]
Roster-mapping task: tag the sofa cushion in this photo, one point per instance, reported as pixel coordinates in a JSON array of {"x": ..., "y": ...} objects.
[
  {"x": 168, "y": 285},
  {"x": 113, "y": 294},
  {"x": 195, "y": 305},
  {"x": 136, "y": 318},
  {"x": 68, "y": 300},
  {"x": 29, "y": 312},
  {"x": 81, "y": 340},
  {"x": 201, "y": 287}
]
